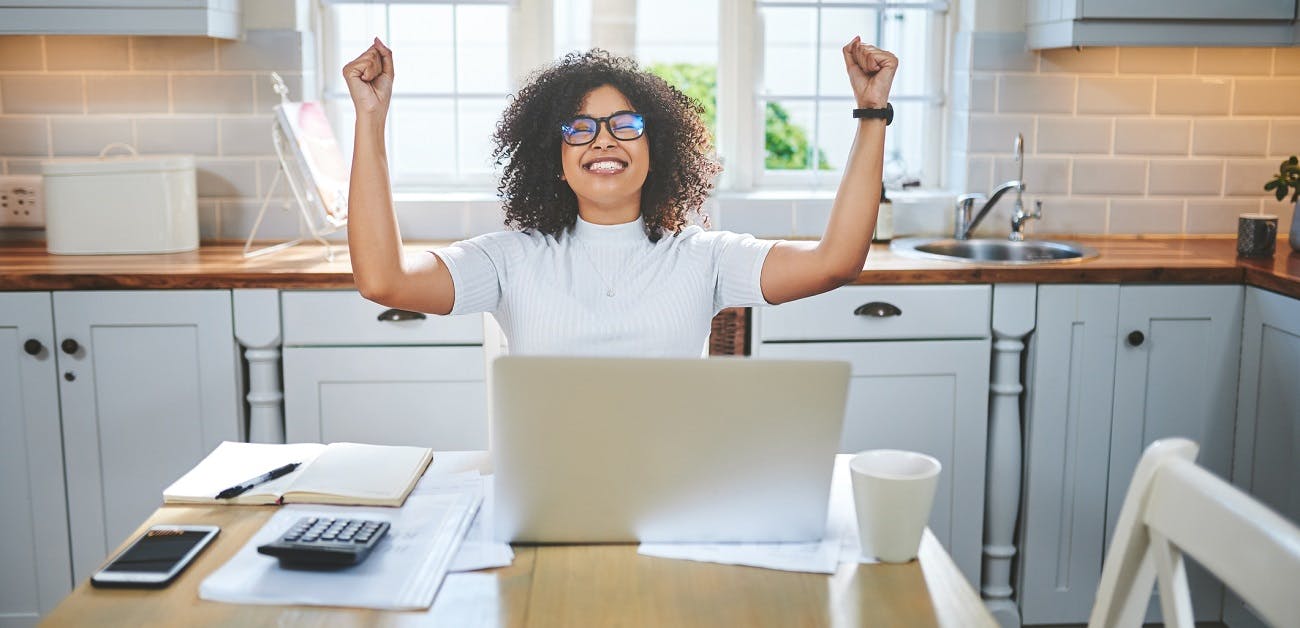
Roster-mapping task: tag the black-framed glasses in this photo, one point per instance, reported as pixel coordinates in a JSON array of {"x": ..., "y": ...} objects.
[{"x": 623, "y": 126}]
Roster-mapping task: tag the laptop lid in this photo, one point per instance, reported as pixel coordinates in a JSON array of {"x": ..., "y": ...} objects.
[{"x": 591, "y": 450}]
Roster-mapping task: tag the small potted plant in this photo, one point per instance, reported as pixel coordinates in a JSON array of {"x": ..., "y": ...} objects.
[{"x": 1287, "y": 180}]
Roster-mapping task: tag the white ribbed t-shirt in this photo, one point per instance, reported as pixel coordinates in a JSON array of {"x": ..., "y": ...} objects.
[{"x": 606, "y": 289}]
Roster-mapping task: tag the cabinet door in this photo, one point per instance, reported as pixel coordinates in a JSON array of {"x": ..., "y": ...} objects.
[
  {"x": 1189, "y": 9},
  {"x": 1178, "y": 379},
  {"x": 927, "y": 396},
  {"x": 1067, "y": 443},
  {"x": 150, "y": 389},
  {"x": 35, "y": 567},
  {"x": 429, "y": 396},
  {"x": 1266, "y": 462}
]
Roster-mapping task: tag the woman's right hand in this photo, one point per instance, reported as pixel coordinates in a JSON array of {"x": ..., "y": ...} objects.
[{"x": 370, "y": 81}]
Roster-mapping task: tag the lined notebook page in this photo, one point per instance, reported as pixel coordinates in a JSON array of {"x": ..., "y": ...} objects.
[{"x": 348, "y": 472}]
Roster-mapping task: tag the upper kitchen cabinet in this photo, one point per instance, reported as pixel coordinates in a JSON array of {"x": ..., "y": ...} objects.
[
  {"x": 204, "y": 18},
  {"x": 1064, "y": 23}
]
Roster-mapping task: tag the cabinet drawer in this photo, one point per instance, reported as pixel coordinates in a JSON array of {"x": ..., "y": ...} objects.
[
  {"x": 918, "y": 312},
  {"x": 344, "y": 318}
]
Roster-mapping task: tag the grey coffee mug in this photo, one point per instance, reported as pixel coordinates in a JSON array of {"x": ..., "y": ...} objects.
[{"x": 1256, "y": 235}]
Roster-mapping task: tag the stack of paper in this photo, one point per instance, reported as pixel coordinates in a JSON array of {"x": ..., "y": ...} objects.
[{"x": 402, "y": 573}]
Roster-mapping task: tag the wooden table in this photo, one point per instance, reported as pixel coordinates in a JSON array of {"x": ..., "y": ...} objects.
[{"x": 573, "y": 585}]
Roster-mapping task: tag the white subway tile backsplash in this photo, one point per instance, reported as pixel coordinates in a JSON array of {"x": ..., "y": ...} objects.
[
  {"x": 1108, "y": 176},
  {"x": 126, "y": 94},
  {"x": 238, "y": 217},
  {"x": 1185, "y": 177},
  {"x": 1063, "y": 215},
  {"x": 1246, "y": 177},
  {"x": 173, "y": 53},
  {"x": 226, "y": 178},
  {"x": 86, "y": 52},
  {"x": 1001, "y": 52},
  {"x": 23, "y": 166},
  {"x": 1028, "y": 93},
  {"x": 1157, "y": 60},
  {"x": 1074, "y": 135},
  {"x": 983, "y": 92},
  {"x": 1152, "y": 136},
  {"x": 1200, "y": 96},
  {"x": 207, "y": 93},
  {"x": 197, "y": 136},
  {"x": 1121, "y": 95},
  {"x": 1284, "y": 138},
  {"x": 1134, "y": 216},
  {"x": 488, "y": 216},
  {"x": 1043, "y": 175},
  {"x": 24, "y": 136},
  {"x": 1229, "y": 137},
  {"x": 246, "y": 136},
  {"x": 88, "y": 136},
  {"x": 979, "y": 173},
  {"x": 434, "y": 220},
  {"x": 265, "y": 98},
  {"x": 209, "y": 219},
  {"x": 992, "y": 133},
  {"x": 1270, "y": 96},
  {"x": 279, "y": 50},
  {"x": 1217, "y": 216},
  {"x": 41, "y": 94},
  {"x": 267, "y": 169},
  {"x": 21, "y": 52},
  {"x": 1234, "y": 61},
  {"x": 1079, "y": 60}
]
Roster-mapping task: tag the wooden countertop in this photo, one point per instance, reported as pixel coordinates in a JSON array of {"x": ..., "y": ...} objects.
[{"x": 27, "y": 266}]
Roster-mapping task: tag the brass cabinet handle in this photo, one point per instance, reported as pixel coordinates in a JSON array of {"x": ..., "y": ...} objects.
[
  {"x": 396, "y": 315},
  {"x": 878, "y": 309}
]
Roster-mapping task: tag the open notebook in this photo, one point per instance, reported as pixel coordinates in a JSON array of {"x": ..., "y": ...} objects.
[{"x": 348, "y": 474}]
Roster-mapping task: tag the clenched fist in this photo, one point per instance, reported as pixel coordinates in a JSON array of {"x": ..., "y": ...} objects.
[
  {"x": 370, "y": 81},
  {"x": 871, "y": 73}
]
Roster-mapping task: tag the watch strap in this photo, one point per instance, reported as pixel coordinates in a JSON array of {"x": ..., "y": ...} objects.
[{"x": 886, "y": 113}]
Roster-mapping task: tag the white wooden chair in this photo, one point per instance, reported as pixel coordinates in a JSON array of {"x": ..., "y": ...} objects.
[{"x": 1174, "y": 507}]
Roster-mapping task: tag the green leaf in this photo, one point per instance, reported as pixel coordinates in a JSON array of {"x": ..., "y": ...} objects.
[
  {"x": 1293, "y": 161},
  {"x": 1281, "y": 193},
  {"x": 1271, "y": 184}
]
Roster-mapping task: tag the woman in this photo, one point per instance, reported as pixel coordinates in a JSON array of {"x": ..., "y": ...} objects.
[{"x": 603, "y": 164}]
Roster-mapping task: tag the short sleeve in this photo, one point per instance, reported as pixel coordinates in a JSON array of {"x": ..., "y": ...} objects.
[
  {"x": 479, "y": 270},
  {"x": 740, "y": 270}
]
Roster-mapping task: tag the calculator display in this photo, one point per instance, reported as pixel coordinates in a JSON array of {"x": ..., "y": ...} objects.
[{"x": 157, "y": 551}]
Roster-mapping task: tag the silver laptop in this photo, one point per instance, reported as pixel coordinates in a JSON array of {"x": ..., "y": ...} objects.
[{"x": 607, "y": 450}]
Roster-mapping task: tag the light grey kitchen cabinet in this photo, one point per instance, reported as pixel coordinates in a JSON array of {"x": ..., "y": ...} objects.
[
  {"x": 1266, "y": 462},
  {"x": 919, "y": 359},
  {"x": 357, "y": 371},
  {"x": 1064, "y": 23},
  {"x": 148, "y": 385},
  {"x": 1112, "y": 369},
  {"x": 210, "y": 18},
  {"x": 35, "y": 565}
]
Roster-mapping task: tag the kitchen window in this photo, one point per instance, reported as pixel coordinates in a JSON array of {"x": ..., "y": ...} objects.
[{"x": 769, "y": 74}]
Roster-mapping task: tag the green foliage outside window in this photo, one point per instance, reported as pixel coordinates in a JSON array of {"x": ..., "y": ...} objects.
[{"x": 786, "y": 142}]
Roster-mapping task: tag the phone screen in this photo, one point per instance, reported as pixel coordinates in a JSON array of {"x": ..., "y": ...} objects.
[{"x": 157, "y": 551}]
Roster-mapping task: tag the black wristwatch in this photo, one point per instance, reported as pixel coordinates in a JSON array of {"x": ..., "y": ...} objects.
[{"x": 887, "y": 113}]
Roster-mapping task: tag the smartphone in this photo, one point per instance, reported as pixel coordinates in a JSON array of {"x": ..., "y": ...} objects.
[{"x": 156, "y": 558}]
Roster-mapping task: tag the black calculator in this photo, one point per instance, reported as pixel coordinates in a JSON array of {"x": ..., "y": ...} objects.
[{"x": 326, "y": 543}]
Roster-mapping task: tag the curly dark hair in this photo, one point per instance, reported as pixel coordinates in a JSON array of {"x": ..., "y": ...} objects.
[{"x": 527, "y": 138}]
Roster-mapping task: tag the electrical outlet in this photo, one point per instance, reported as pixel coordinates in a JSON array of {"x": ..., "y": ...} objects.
[{"x": 22, "y": 201}]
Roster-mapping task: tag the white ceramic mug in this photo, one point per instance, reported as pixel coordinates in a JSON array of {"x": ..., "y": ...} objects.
[{"x": 893, "y": 492}]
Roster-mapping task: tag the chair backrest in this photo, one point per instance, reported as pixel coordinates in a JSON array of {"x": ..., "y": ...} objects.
[{"x": 1175, "y": 508}]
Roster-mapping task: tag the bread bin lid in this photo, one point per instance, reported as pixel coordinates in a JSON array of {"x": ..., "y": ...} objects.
[{"x": 105, "y": 164}]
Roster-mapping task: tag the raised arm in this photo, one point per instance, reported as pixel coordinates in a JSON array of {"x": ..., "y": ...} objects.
[
  {"x": 794, "y": 270},
  {"x": 374, "y": 242}
]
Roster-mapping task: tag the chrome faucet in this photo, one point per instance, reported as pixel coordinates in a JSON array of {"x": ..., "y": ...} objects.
[{"x": 964, "y": 224}]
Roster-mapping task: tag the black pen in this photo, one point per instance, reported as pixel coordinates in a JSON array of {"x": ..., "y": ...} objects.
[{"x": 239, "y": 489}]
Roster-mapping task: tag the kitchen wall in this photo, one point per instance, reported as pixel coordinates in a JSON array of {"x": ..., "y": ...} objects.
[
  {"x": 1125, "y": 140},
  {"x": 1117, "y": 141}
]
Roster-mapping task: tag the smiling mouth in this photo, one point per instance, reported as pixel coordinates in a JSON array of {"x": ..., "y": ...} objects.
[{"x": 606, "y": 166}]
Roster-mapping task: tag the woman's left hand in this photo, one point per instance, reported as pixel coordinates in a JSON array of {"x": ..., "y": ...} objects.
[{"x": 871, "y": 73}]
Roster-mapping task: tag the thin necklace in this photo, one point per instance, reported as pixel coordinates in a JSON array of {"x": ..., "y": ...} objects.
[{"x": 609, "y": 288}]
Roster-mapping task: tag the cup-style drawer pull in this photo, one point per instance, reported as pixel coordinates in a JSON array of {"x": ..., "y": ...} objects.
[
  {"x": 395, "y": 315},
  {"x": 878, "y": 309}
]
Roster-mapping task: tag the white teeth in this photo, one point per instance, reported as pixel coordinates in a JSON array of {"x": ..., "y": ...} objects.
[{"x": 605, "y": 166}]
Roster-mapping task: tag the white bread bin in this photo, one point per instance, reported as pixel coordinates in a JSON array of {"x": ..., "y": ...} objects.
[{"x": 120, "y": 204}]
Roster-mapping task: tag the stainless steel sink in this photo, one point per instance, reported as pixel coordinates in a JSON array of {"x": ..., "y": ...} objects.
[{"x": 992, "y": 251}]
